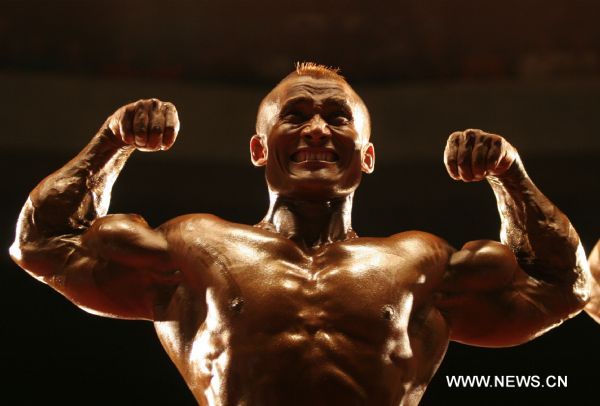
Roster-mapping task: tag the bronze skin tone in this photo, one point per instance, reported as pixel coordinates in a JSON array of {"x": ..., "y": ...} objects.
[
  {"x": 593, "y": 307},
  {"x": 298, "y": 309}
]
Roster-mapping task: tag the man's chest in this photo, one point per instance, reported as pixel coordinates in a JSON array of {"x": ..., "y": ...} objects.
[
  {"x": 261, "y": 295},
  {"x": 271, "y": 283}
]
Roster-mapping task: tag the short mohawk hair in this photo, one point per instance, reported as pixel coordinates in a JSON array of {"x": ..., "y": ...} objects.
[{"x": 315, "y": 69}]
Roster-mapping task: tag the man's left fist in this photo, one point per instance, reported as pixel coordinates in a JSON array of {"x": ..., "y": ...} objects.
[{"x": 471, "y": 155}]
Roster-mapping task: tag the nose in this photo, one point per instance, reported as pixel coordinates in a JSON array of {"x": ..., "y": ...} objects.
[{"x": 316, "y": 131}]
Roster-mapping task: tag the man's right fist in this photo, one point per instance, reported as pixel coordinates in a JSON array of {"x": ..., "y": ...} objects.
[{"x": 148, "y": 125}]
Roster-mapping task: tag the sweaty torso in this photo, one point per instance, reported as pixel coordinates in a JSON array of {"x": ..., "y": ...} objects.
[{"x": 257, "y": 321}]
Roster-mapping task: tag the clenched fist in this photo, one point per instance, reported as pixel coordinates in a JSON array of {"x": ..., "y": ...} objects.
[
  {"x": 471, "y": 155},
  {"x": 148, "y": 125}
]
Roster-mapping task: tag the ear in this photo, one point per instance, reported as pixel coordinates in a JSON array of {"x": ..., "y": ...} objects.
[
  {"x": 258, "y": 151},
  {"x": 368, "y": 158}
]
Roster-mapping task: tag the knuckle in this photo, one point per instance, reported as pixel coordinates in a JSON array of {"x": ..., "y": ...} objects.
[
  {"x": 169, "y": 107},
  {"x": 469, "y": 134},
  {"x": 454, "y": 137},
  {"x": 473, "y": 132},
  {"x": 496, "y": 138},
  {"x": 128, "y": 110},
  {"x": 470, "y": 138},
  {"x": 451, "y": 163},
  {"x": 143, "y": 105}
]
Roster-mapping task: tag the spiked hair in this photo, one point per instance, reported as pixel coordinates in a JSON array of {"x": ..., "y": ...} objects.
[{"x": 315, "y": 69}]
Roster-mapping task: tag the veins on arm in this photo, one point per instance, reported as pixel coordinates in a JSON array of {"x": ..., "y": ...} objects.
[
  {"x": 541, "y": 237},
  {"x": 502, "y": 294},
  {"x": 115, "y": 265}
]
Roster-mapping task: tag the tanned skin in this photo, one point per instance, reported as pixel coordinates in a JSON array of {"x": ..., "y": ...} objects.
[
  {"x": 593, "y": 307},
  {"x": 298, "y": 309}
]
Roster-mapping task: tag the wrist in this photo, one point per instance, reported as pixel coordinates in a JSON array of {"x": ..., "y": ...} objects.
[
  {"x": 513, "y": 175},
  {"x": 108, "y": 140}
]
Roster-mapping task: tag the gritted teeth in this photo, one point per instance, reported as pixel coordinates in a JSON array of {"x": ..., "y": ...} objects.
[{"x": 308, "y": 155}]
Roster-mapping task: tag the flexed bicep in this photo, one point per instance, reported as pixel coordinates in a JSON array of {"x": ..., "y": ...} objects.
[
  {"x": 133, "y": 271},
  {"x": 119, "y": 267},
  {"x": 499, "y": 294},
  {"x": 488, "y": 300},
  {"x": 111, "y": 265}
]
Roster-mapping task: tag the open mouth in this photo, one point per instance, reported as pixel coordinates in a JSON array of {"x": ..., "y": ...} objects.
[{"x": 319, "y": 155}]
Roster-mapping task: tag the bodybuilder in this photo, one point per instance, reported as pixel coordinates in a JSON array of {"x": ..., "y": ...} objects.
[{"x": 298, "y": 309}]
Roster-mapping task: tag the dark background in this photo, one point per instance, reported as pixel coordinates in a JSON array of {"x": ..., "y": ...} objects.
[{"x": 529, "y": 70}]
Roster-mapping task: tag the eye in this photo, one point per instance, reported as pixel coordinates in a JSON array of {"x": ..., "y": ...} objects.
[
  {"x": 339, "y": 118},
  {"x": 295, "y": 117}
]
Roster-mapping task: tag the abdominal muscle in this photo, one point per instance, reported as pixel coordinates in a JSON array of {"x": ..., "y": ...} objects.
[
  {"x": 318, "y": 367},
  {"x": 302, "y": 367},
  {"x": 304, "y": 356}
]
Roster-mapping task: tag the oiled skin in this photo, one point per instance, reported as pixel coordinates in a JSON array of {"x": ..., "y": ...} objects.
[
  {"x": 351, "y": 323},
  {"x": 593, "y": 307},
  {"x": 299, "y": 310}
]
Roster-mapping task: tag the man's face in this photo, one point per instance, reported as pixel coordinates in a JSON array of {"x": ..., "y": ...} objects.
[{"x": 316, "y": 136}]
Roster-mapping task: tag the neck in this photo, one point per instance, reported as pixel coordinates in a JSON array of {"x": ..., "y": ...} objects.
[{"x": 310, "y": 224}]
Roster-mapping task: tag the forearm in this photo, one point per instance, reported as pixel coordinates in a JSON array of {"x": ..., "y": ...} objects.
[
  {"x": 112, "y": 265},
  {"x": 64, "y": 205},
  {"x": 543, "y": 240},
  {"x": 70, "y": 199}
]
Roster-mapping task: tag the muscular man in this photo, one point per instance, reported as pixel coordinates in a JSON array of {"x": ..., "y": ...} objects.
[
  {"x": 298, "y": 309},
  {"x": 593, "y": 307}
]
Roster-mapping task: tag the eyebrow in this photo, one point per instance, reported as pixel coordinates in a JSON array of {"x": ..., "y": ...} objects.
[
  {"x": 339, "y": 102},
  {"x": 336, "y": 101},
  {"x": 294, "y": 102}
]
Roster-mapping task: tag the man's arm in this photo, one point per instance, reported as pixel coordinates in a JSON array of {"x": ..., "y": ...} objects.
[
  {"x": 593, "y": 307},
  {"x": 501, "y": 294},
  {"x": 110, "y": 265}
]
